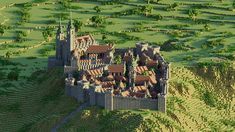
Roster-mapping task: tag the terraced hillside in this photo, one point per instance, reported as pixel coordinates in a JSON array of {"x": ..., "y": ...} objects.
[
  {"x": 40, "y": 100},
  {"x": 197, "y": 37}
]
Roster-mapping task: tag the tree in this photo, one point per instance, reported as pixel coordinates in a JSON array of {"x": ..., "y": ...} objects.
[
  {"x": 8, "y": 54},
  {"x": 2, "y": 31},
  {"x": 234, "y": 4},
  {"x": 21, "y": 36},
  {"x": 207, "y": 27},
  {"x": 13, "y": 75},
  {"x": 97, "y": 9},
  {"x": 97, "y": 20},
  {"x": 47, "y": 33},
  {"x": 104, "y": 37},
  {"x": 65, "y": 4},
  {"x": 147, "y": 9},
  {"x": 193, "y": 13},
  {"x": 118, "y": 59},
  {"x": 77, "y": 24}
]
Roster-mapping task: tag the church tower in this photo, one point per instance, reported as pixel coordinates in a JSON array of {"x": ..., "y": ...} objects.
[
  {"x": 59, "y": 38},
  {"x": 70, "y": 41},
  {"x": 71, "y": 35}
]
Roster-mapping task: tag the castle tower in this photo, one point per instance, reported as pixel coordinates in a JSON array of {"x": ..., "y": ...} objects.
[
  {"x": 70, "y": 38},
  {"x": 59, "y": 38}
]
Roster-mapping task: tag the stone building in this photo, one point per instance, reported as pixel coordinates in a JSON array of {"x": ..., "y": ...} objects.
[{"x": 139, "y": 81}]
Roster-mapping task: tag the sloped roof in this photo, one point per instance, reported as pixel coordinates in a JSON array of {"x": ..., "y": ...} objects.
[
  {"x": 141, "y": 69},
  {"x": 95, "y": 72},
  {"x": 98, "y": 49},
  {"x": 116, "y": 68},
  {"x": 141, "y": 78}
]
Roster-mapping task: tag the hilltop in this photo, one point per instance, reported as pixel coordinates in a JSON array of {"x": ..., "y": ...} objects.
[{"x": 197, "y": 37}]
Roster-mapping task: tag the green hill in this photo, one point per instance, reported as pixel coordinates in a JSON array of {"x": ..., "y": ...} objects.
[{"x": 39, "y": 101}]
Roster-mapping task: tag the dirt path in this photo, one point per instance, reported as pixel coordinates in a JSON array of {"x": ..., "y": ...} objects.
[{"x": 69, "y": 116}]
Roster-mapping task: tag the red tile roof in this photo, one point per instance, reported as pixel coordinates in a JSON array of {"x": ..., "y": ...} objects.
[
  {"x": 141, "y": 69},
  {"x": 120, "y": 78},
  {"x": 151, "y": 63},
  {"x": 141, "y": 79},
  {"x": 116, "y": 68},
  {"x": 98, "y": 49},
  {"x": 78, "y": 40},
  {"x": 95, "y": 72},
  {"x": 139, "y": 89},
  {"x": 108, "y": 84}
]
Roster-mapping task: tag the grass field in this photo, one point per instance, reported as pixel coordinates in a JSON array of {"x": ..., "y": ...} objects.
[{"x": 187, "y": 40}]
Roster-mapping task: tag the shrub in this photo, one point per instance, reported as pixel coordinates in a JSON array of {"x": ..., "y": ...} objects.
[
  {"x": 21, "y": 36},
  {"x": 193, "y": 13},
  {"x": 209, "y": 98},
  {"x": 48, "y": 33},
  {"x": 13, "y": 75},
  {"x": 97, "y": 20}
]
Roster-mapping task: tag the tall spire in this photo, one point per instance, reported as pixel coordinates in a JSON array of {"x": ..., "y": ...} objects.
[
  {"x": 71, "y": 21},
  {"x": 60, "y": 27}
]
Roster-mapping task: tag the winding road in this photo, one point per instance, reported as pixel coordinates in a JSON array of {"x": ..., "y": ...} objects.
[{"x": 69, "y": 116}]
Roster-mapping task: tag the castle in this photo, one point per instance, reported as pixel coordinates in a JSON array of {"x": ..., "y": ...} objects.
[{"x": 133, "y": 78}]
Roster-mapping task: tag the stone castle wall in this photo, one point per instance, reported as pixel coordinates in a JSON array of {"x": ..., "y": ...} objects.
[
  {"x": 120, "y": 102},
  {"x": 109, "y": 101}
]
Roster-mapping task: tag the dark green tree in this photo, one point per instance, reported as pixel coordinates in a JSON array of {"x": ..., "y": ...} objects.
[
  {"x": 147, "y": 9},
  {"x": 48, "y": 33},
  {"x": 13, "y": 75},
  {"x": 97, "y": 9},
  {"x": 8, "y": 54},
  {"x": 193, "y": 13},
  {"x": 233, "y": 4},
  {"x": 2, "y": 30},
  {"x": 97, "y": 20},
  {"x": 21, "y": 36},
  {"x": 77, "y": 24},
  {"x": 104, "y": 37},
  {"x": 118, "y": 59},
  {"x": 207, "y": 27}
]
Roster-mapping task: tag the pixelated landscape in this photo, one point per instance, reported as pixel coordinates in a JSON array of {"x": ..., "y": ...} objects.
[{"x": 196, "y": 36}]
